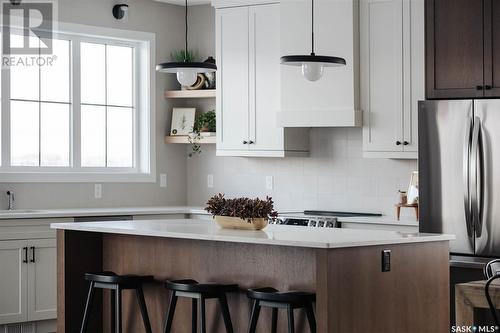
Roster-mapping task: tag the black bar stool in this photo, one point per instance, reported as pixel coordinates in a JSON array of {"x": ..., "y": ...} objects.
[
  {"x": 117, "y": 283},
  {"x": 290, "y": 300},
  {"x": 199, "y": 291}
]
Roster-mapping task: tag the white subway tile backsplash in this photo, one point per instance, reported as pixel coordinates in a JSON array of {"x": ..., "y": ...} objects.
[{"x": 334, "y": 177}]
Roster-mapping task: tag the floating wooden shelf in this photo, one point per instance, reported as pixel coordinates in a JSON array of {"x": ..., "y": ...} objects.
[
  {"x": 207, "y": 93},
  {"x": 184, "y": 139}
]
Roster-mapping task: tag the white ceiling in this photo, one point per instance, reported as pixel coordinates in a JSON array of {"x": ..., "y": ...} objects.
[{"x": 182, "y": 2}]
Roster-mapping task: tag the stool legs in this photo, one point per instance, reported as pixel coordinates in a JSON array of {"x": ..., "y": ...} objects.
[
  {"x": 144, "y": 310},
  {"x": 118, "y": 310},
  {"x": 225, "y": 314},
  {"x": 310, "y": 318},
  {"x": 170, "y": 313},
  {"x": 203, "y": 323},
  {"x": 194, "y": 315},
  {"x": 112, "y": 309},
  {"x": 274, "y": 323},
  {"x": 291, "y": 321},
  {"x": 254, "y": 317},
  {"x": 88, "y": 306}
]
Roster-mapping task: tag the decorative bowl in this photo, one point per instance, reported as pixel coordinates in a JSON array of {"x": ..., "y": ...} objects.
[{"x": 228, "y": 222}]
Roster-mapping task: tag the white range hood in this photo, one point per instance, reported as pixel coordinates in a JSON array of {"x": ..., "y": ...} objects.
[{"x": 332, "y": 101}]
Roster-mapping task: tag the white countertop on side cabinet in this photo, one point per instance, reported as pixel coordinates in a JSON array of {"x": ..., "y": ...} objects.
[
  {"x": 112, "y": 211},
  {"x": 272, "y": 235}
]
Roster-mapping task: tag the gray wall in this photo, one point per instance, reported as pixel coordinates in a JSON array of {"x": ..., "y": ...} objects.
[
  {"x": 334, "y": 177},
  {"x": 144, "y": 15}
]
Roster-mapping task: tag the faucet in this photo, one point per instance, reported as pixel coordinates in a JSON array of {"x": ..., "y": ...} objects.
[{"x": 10, "y": 194}]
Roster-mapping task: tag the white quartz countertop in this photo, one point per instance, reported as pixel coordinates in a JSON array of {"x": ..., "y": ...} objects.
[
  {"x": 114, "y": 211},
  {"x": 272, "y": 235}
]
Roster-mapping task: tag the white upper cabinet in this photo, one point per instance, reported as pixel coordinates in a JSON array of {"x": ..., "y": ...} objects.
[
  {"x": 248, "y": 78},
  {"x": 332, "y": 101},
  {"x": 232, "y": 43},
  {"x": 392, "y": 76}
]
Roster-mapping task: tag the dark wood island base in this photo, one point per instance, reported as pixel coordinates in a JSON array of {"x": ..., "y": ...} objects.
[{"x": 353, "y": 294}]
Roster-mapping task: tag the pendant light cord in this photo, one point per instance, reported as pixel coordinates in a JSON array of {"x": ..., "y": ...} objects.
[
  {"x": 312, "y": 27},
  {"x": 186, "y": 23}
]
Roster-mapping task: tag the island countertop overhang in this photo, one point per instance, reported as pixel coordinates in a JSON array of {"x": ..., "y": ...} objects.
[{"x": 203, "y": 230}]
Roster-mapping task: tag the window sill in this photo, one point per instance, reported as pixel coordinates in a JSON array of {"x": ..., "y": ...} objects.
[{"x": 76, "y": 177}]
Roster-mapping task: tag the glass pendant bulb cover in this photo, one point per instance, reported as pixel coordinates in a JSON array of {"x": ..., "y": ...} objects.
[
  {"x": 312, "y": 65},
  {"x": 187, "y": 77},
  {"x": 187, "y": 71},
  {"x": 313, "y": 71}
]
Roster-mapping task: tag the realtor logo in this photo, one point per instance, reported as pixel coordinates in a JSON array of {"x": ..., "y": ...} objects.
[{"x": 27, "y": 19}]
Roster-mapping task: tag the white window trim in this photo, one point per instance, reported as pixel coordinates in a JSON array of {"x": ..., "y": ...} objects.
[{"x": 145, "y": 150}]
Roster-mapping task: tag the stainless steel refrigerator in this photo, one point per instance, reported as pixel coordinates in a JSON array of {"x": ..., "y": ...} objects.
[{"x": 459, "y": 181}]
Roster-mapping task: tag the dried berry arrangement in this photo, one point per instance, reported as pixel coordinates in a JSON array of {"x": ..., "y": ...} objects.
[{"x": 244, "y": 208}]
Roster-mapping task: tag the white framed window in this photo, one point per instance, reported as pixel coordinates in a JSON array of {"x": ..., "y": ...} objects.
[{"x": 85, "y": 113}]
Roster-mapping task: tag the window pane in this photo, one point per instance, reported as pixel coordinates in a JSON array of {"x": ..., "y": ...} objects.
[
  {"x": 24, "y": 133},
  {"x": 55, "y": 78},
  {"x": 120, "y": 75},
  {"x": 23, "y": 77},
  {"x": 54, "y": 134},
  {"x": 120, "y": 137},
  {"x": 93, "y": 70},
  {"x": 93, "y": 137}
]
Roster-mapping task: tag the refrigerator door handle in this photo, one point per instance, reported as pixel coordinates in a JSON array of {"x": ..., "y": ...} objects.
[
  {"x": 477, "y": 177},
  {"x": 466, "y": 177}
]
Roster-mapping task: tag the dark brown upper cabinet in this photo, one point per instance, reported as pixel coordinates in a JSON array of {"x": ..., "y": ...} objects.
[{"x": 462, "y": 48}]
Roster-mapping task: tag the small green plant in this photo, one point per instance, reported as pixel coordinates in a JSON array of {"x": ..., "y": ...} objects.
[
  {"x": 194, "y": 139},
  {"x": 205, "y": 122},
  {"x": 244, "y": 208},
  {"x": 183, "y": 55}
]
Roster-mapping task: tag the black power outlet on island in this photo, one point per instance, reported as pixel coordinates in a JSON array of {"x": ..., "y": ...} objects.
[{"x": 386, "y": 260}]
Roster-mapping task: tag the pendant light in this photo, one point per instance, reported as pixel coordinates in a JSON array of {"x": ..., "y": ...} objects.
[
  {"x": 312, "y": 65},
  {"x": 187, "y": 72}
]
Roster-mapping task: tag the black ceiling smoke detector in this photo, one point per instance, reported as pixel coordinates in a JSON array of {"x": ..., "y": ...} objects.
[
  {"x": 312, "y": 65},
  {"x": 187, "y": 71},
  {"x": 119, "y": 11}
]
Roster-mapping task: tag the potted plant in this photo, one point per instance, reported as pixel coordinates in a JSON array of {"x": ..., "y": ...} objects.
[
  {"x": 205, "y": 122},
  {"x": 241, "y": 213}
]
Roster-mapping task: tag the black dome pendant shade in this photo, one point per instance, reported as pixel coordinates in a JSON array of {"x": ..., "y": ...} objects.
[
  {"x": 186, "y": 71},
  {"x": 312, "y": 64}
]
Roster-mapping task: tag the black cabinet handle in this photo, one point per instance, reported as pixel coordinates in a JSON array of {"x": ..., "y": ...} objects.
[
  {"x": 479, "y": 87},
  {"x": 25, "y": 260},
  {"x": 251, "y": 142},
  {"x": 487, "y": 87},
  {"x": 406, "y": 143},
  {"x": 245, "y": 142},
  {"x": 32, "y": 254},
  {"x": 398, "y": 143}
]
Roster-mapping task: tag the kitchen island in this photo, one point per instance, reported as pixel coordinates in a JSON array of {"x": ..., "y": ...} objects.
[{"x": 343, "y": 267}]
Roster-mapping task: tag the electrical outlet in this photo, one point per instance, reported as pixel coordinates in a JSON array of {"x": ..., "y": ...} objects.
[
  {"x": 210, "y": 181},
  {"x": 98, "y": 191},
  {"x": 163, "y": 180},
  {"x": 386, "y": 260},
  {"x": 269, "y": 182}
]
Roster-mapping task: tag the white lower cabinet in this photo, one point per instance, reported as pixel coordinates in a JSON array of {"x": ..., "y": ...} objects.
[
  {"x": 28, "y": 278},
  {"x": 42, "y": 279},
  {"x": 13, "y": 281}
]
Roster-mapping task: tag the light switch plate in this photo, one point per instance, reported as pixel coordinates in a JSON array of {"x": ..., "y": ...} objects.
[
  {"x": 163, "y": 180},
  {"x": 269, "y": 182},
  {"x": 210, "y": 181},
  {"x": 98, "y": 191}
]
